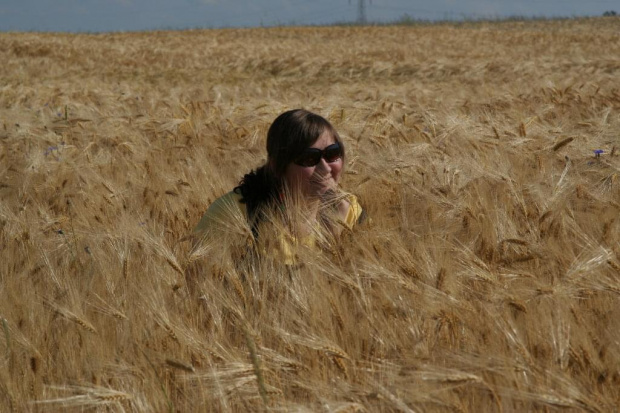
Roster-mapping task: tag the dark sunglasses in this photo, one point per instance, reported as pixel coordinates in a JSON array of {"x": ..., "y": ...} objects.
[{"x": 312, "y": 156}]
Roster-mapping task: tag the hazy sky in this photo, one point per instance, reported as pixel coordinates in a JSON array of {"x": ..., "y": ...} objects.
[{"x": 115, "y": 15}]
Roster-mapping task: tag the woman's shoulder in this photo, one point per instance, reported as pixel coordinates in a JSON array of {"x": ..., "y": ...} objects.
[{"x": 224, "y": 211}]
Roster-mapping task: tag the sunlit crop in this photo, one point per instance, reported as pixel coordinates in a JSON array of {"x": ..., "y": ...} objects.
[{"x": 487, "y": 279}]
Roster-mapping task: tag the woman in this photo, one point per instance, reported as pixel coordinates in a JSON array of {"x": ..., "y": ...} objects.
[{"x": 297, "y": 186}]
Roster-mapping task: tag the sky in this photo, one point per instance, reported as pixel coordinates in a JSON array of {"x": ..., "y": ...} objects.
[{"x": 136, "y": 15}]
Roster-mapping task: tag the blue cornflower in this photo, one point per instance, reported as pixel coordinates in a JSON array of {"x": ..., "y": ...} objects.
[{"x": 50, "y": 149}]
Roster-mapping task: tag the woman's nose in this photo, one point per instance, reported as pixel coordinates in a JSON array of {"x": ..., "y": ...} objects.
[{"x": 323, "y": 166}]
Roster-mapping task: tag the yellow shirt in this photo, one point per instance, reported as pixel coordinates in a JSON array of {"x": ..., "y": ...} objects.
[{"x": 227, "y": 215}]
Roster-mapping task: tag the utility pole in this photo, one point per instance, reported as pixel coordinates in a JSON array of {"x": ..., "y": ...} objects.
[{"x": 361, "y": 12}]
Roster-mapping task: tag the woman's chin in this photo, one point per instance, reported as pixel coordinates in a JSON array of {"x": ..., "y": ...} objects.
[
  {"x": 322, "y": 190},
  {"x": 317, "y": 191}
]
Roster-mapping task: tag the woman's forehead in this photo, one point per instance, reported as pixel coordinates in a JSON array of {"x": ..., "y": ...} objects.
[{"x": 325, "y": 139}]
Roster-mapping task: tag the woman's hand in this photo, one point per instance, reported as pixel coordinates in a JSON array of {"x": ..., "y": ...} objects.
[{"x": 337, "y": 200}]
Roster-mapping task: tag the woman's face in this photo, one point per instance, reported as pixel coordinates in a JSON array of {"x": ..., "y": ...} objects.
[{"x": 314, "y": 181}]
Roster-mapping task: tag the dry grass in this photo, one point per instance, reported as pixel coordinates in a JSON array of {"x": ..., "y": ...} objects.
[{"x": 488, "y": 279}]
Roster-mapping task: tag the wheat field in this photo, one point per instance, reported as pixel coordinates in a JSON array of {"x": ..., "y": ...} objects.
[{"x": 486, "y": 280}]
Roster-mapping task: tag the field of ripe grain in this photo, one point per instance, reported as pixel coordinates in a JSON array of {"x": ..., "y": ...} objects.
[{"x": 488, "y": 279}]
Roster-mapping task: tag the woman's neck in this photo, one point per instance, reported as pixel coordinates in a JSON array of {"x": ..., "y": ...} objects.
[
  {"x": 306, "y": 221},
  {"x": 312, "y": 207}
]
